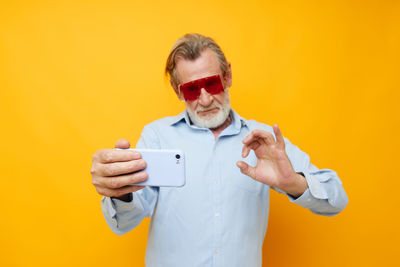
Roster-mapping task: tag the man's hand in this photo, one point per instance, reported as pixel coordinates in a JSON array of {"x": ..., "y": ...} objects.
[
  {"x": 114, "y": 170},
  {"x": 273, "y": 166}
]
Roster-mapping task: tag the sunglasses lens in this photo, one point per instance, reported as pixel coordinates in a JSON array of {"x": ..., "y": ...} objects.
[
  {"x": 191, "y": 90},
  {"x": 213, "y": 85}
]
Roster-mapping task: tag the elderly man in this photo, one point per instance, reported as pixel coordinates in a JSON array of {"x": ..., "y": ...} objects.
[{"x": 219, "y": 218}]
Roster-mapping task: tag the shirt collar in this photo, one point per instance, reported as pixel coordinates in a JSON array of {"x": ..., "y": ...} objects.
[{"x": 178, "y": 118}]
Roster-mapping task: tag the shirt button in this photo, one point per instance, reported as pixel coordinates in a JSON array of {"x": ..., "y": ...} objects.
[
  {"x": 216, "y": 181},
  {"x": 216, "y": 214},
  {"x": 216, "y": 251},
  {"x": 309, "y": 199}
]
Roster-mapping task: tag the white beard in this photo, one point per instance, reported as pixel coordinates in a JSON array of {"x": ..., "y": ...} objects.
[{"x": 211, "y": 121}]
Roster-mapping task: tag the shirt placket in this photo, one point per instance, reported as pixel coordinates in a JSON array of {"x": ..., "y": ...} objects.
[{"x": 217, "y": 211}]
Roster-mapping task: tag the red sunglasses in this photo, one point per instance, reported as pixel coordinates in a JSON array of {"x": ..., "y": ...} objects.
[{"x": 192, "y": 90}]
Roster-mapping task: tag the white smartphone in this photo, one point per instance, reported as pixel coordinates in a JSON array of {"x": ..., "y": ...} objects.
[{"x": 164, "y": 167}]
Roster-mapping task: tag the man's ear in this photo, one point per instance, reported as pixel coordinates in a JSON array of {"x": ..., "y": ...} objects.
[
  {"x": 228, "y": 76},
  {"x": 176, "y": 91},
  {"x": 180, "y": 96}
]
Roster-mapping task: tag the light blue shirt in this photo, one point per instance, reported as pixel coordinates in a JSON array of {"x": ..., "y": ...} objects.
[{"x": 219, "y": 218}]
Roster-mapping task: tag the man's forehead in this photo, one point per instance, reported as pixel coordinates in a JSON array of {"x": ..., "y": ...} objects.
[{"x": 205, "y": 65}]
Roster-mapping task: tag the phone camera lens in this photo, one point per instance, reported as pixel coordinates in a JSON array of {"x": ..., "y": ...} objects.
[{"x": 177, "y": 156}]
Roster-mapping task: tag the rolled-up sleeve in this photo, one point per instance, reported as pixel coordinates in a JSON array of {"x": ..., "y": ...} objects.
[
  {"x": 122, "y": 216},
  {"x": 325, "y": 194}
]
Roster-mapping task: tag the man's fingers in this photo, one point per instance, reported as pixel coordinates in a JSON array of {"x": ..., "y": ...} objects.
[
  {"x": 122, "y": 143},
  {"x": 245, "y": 151},
  {"x": 267, "y": 137},
  {"x": 120, "y": 168},
  {"x": 259, "y": 135},
  {"x": 247, "y": 169},
  {"x": 120, "y": 181},
  {"x": 115, "y": 155},
  {"x": 279, "y": 136},
  {"x": 246, "y": 148}
]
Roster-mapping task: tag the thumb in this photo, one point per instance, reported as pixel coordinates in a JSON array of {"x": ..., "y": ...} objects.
[
  {"x": 247, "y": 169},
  {"x": 122, "y": 143}
]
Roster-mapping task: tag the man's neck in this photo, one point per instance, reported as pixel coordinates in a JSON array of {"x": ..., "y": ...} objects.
[{"x": 217, "y": 131}]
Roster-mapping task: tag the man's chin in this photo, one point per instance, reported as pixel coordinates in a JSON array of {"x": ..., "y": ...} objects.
[
  {"x": 210, "y": 121},
  {"x": 207, "y": 116},
  {"x": 213, "y": 118}
]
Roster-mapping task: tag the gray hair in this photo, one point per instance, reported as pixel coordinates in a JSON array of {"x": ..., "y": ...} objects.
[{"x": 189, "y": 47}]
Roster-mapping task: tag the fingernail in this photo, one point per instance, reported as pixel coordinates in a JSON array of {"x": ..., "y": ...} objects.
[{"x": 142, "y": 163}]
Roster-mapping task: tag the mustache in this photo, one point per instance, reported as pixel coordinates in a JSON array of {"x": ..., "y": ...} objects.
[{"x": 200, "y": 109}]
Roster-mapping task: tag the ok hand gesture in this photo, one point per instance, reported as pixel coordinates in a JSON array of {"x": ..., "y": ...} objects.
[{"x": 273, "y": 165}]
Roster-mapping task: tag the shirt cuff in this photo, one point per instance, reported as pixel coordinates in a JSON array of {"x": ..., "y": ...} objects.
[
  {"x": 316, "y": 185},
  {"x": 112, "y": 205},
  {"x": 109, "y": 207},
  {"x": 123, "y": 206},
  {"x": 305, "y": 200},
  {"x": 315, "y": 190}
]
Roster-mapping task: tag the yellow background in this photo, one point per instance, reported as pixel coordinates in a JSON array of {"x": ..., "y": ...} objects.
[{"x": 75, "y": 76}]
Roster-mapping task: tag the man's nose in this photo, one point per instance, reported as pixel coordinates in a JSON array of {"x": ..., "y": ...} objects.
[{"x": 205, "y": 99}]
